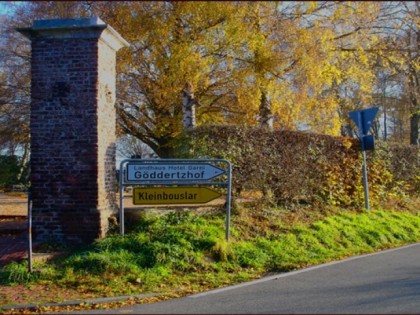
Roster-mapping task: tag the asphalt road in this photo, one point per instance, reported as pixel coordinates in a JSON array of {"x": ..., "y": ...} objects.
[{"x": 382, "y": 283}]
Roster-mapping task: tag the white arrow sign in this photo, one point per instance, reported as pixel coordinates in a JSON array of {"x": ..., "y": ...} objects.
[{"x": 172, "y": 172}]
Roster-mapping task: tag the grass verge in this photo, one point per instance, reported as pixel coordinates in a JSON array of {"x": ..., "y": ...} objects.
[{"x": 182, "y": 252}]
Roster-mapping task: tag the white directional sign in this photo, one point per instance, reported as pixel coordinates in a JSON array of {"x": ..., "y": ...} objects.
[{"x": 179, "y": 172}]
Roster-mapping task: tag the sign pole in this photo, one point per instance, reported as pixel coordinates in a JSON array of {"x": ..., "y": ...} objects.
[
  {"x": 362, "y": 132},
  {"x": 228, "y": 201},
  {"x": 30, "y": 230},
  {"x": 365, "y": 181},
  {"x": 121, "y": 216}
]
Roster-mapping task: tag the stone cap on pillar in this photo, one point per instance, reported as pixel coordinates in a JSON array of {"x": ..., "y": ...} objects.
[{"x": 80, "y": 28}]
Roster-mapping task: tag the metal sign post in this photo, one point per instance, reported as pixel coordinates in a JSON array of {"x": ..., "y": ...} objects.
[
  {"x": 365, "y": 181},
  {"x": 121, "y": 209},
  {"x": 363, "y": 120},
  {"x": 228, "y": 199},
  {"x": 29, "y": 230},
  {"x": 187, "y": 174}
]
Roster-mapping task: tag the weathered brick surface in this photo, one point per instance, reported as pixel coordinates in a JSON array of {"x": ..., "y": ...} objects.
[
  {"x": 72, "y": 136},
  {"x": 106, "y": 131}
]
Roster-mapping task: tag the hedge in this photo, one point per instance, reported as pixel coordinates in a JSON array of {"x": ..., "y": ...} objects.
[{"x": 292, "y": 166}]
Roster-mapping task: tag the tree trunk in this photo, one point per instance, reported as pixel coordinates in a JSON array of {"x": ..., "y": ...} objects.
[
  {"x": 23, "y": 162},
  {"x": 414, "y": 129},
  {"x": 266, "y": 116},
  {"x": 188, "y": 107}
]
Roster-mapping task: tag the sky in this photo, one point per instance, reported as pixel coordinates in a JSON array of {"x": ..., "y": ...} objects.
[{"x": 6, "y": 7}]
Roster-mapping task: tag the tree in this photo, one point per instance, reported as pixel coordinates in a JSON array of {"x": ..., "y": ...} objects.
[
  {"x": 294, "y": 64},
  {"x": 302, "y": 62},
  {"x": 398, "y": 52},
  {"x": 173, "y": 44},
  {"x": 129, "y": 147},
  {"x": 14, "y": 93}
]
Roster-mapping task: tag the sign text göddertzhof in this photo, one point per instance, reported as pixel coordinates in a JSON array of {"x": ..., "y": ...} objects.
[{"x": 172, "y": 172}]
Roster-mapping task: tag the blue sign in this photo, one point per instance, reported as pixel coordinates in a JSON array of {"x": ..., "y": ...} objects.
[
  {"x": 367, "y": 143},
  {"x": 364, "y": 119}
]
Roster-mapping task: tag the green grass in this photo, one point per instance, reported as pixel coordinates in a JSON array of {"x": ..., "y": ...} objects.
[{"x": 186, "y": 253}]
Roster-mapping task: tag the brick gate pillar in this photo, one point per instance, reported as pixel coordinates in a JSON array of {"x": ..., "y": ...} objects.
[{"x": 73, "y": 121}]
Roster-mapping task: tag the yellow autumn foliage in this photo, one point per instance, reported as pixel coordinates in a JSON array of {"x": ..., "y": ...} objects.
[{"x": 312, "y": 61}]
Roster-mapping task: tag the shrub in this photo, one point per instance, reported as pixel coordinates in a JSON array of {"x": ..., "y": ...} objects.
[
  {"x": 9, "y": 171},
  {"x": 296, "y": 167}
]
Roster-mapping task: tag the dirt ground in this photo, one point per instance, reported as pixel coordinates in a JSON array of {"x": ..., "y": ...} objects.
[
  {"x": 13, "y": 204},
  {"x": 36, "y": 295}
]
